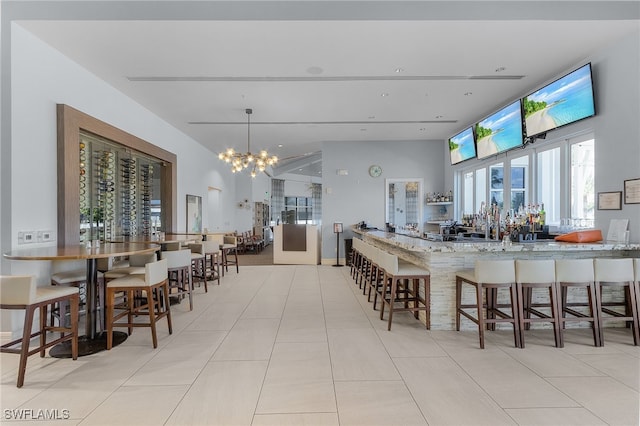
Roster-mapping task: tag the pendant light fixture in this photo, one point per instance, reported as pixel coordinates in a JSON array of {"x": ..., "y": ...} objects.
[{"x": 240, "y": 161}]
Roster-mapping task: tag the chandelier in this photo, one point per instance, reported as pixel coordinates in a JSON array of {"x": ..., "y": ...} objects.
[{"x": 240, "y": 161}]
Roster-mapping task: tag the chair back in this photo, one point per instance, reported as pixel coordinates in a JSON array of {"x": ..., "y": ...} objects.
[
  {"x": 177, "y": 259},
  {"x": 170, "y": 246},
  {"x": 155, "y": 272},
  {"x": 388, "y": 262},
  {"x": 636, "y": 267},
  {"x": 574, "y": 270},
  {"x": 535, "y": 271},
  {"x": 495, "y": 271},
  {"x": 215, "y": 238},
  {"x": 613, "y": 270},
  {"x": 17, "y": 289},
  {"x": 356, "y": 244},
  {"x": 142, "y": 259},
  {"x": 230, "y": 239},
  {"x": 210, "y": 247},
  {"x": 196, "y": 248}
]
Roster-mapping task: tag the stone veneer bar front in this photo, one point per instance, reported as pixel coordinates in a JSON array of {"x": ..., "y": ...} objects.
[{"x": 444, "y": 259}]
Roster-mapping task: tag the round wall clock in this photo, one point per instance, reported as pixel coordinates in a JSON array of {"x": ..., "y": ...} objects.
[{"x": 375, "y": 170}]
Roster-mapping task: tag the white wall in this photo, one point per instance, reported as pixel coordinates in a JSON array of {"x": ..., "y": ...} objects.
[
  {"x": 42, "y": 78},
  {"x": 357, "y": 196}
]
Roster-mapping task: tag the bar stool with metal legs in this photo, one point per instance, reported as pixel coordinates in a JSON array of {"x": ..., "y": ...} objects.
[
  {"x": 617, "y": 273},
  {"x": 487, "y": 278},
  {"x": 532, "y": 274},
  {"x": 575, "y": 274},
  {"x": 411, "y": 276}
]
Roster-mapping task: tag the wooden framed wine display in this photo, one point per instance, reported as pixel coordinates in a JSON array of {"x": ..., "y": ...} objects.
[{"x": 112, "y": 185}]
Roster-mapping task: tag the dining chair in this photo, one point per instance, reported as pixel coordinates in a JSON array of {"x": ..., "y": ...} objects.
[
  {"x": 153, "y": 285},
  {"x": 20, "y": 292}
]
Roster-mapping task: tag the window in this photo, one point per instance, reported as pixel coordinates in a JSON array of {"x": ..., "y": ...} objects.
[
  {"x": 519, "y": 176},
  {"x": 557, "y": 174},
  {"x": 497, "y": 185},
  {"x": 298, "y": 210},
  {"x": 548, "y": 184},
  {"x": 582, "y": 180}
]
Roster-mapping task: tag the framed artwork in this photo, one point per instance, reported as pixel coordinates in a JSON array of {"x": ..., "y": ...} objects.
[
  {"x": 194, "y": 214},
  {"x": 610, "y": 200},
  {"x": 632, "y": 191}
]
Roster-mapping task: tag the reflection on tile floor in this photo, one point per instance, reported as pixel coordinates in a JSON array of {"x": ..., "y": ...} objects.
[{"x": 300, "y": 345}]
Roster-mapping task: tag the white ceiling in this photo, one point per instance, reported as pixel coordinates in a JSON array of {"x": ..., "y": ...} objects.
[{"x": 309, "y": 81}]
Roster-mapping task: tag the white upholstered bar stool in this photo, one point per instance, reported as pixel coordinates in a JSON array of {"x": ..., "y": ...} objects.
[
  {"x": 617, "y": 273},
  {"x": 212, "y": 260},
  {"x": 136, "y": 265},
  {"x": 575, "y": 274},
  {"x": 487, "y": 278},
  {"x": 404, "y": 279},
  {"x": 532, "y": 274},
  {"x": 20, "y": 292},
  {"x": 355, "y": 254},
  {"x": 153, "y": 286},
  {"x": 179, "y": 274},
  {"x": 198, "y": 265}
]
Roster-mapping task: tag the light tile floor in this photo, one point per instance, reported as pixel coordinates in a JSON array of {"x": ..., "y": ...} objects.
[{"x": 300, "y": 345}]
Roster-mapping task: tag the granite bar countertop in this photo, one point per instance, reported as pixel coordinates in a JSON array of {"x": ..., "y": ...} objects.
[{"x": 417, "y": 244}]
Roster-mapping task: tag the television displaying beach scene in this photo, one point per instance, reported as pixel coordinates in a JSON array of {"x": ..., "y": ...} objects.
[
  {"x": 500, "y": 132},
  {"x": 562, "y": 102},
  {"x": 462, "y": 146}
]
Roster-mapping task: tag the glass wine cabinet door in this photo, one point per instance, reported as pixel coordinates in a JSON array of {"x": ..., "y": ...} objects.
[{"x": 119, "y": 191}]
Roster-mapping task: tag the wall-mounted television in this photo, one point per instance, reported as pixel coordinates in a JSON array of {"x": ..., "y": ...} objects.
[
  {"x": 462, "y": 146},
  {"x": 500, "y": 131},
  {"x": 565, "y": 101}
]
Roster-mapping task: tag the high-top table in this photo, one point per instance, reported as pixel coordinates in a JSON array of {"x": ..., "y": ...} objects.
[{"x": 93, "y": 341}]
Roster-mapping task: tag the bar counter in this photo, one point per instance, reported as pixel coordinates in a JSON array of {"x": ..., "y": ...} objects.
[{"x": 444, "y": 259}]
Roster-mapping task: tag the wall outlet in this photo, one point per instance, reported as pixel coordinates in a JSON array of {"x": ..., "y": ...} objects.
[
  {"x": 26, "y": 237},
  {"x": 45, "y": 236}
]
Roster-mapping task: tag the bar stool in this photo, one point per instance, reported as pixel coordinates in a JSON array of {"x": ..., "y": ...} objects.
[
  {"x": 72, "y": 274},
  {"x": 212, "y": 260},
  {"x": 365, "y": 265},
  {"x": 153, "y": 284},
  {"x": 617, "y": 273},
  {"x": 136, "y": 265},
  {"x": 487, "y": 278},
  {"x": 230, "y": 248},
  {"x": 532, "y": 274},
  {"x": 577, "y": 273},
  {"x": 20, "y": 292},
  {"x": 179, "y": 274},
  {"x": 198, "y": 265},
  {"x": 412, "y": 275},
  {"x": 355, "y": 257}
]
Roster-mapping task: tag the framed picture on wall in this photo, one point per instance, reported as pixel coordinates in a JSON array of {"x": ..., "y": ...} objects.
[
  {"x": 610, "y": 200},
  {"x": 194, "y": 214},
  {"x": 632, "y": 191}
]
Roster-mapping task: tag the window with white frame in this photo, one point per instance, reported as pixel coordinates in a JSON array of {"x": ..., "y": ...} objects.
[{"x": 561, "y": 174}]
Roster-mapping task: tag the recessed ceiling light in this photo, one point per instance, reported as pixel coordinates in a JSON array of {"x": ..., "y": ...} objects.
[
  {"x": 384, "y": 95},
  {"x": 280, "y": 145},
  {"x": 468, "y": 93},
  {"x": 399, "y": 69},
  {"x": 500, "y": 69}
]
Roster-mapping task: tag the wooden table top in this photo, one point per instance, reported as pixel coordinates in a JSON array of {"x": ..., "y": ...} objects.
[
  {"x": 81, "y": 251},
  {"x": 168, "y": 238}
]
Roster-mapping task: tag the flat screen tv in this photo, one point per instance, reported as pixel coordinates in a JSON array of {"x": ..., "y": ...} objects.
[
  {"x": 462, "y": 146},
  {"x": 500, "y": 131},
  {"x": 565, "y": 101}
]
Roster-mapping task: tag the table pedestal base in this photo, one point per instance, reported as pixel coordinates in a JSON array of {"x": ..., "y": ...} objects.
[{"x": 87, "y": 346}]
